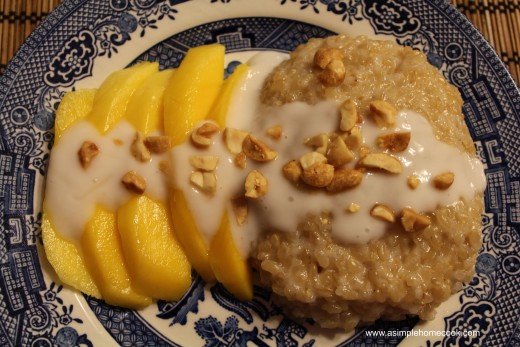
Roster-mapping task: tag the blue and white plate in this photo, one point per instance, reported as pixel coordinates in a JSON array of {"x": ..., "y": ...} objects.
[{"x": 82, "y": 41}]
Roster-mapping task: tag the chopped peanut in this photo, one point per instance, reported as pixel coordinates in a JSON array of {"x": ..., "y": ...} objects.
[
  {"x": 325, "y": 55},
  {"x": 383, "y": 113},
  {"x": 240, "y": 209},
  {"x": 292, "y": 171},
  {"x": 382, "y": 161},
  {"x": 344, "y": 179},
  {"x": 333, "y": 74},
  {"x": 412, "y": 221},
  {"x": 318, "y": 175},
  {"x": 413, "y": 181},
  {"x": 204, "y": 162},
  {"x": 233, "y": 138},
  {"x": 348, "y": 115},
  {"x": 240, "y": 160},
  {"x": 444, "y": 180},
  {"x": 206, "y": 182},
  {"x": 134, "y": 182},
  {"x": 311, "y": 158},
  {"x": 164, "y": 166},
  {"x": 363, "y": 151},
  {"x": 353, "y": 139},
  {"x": 319, "y": 143},
  {"x": 383, "y": 212},
  {"x": 256, "y": 184},
  {"x": 201, "y": 136},
  {"x": 138, "y": 149},
  {"x": 353, "y": 207},
  {"x": 394, "y": 142},
  {"x": 158, "y": 144},
  {"x": 338, "y": 153},
  {"x": 257, "y": 150},
  {"x": 275, "y": 132},
  {"x": 88, "y": 151}
]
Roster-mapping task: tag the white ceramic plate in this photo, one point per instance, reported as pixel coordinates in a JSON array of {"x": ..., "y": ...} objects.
[{"x": 81, "y": 42}]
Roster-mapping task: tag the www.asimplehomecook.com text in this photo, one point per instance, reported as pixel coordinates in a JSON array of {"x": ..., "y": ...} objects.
[{"x": 423, "y": 333}]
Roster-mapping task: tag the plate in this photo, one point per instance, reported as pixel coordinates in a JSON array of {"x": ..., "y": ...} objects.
[{"x": 81, "y": 42}]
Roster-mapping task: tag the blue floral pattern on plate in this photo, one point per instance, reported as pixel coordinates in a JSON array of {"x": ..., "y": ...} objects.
[{"x": 81, "y": 36}]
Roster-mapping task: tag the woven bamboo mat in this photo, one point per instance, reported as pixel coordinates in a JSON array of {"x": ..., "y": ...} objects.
[{"x": 498, "y": 20}]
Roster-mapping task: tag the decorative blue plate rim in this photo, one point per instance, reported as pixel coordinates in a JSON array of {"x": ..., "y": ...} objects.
[{"x": 82, "y": 41}]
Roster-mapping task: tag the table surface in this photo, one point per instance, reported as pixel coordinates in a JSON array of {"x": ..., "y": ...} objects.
[{"x": 498, "y": 20}]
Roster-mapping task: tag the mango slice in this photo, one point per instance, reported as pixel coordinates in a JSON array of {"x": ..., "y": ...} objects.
[
  {"x": 192, "y": 90},
  {"x": 112, "y": 97},
  {"x": 220, "y": 109},
  {"x": 74, "y": 106},
  {"x": 230, "y": 268},
  {"x": 145, "y": 108},
  {"x": 156, "y": 262},
  {"x": 101, "y": 246},
  {"x": 66, "y": 260}
]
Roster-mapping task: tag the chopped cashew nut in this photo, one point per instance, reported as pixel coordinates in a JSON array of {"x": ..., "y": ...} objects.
[
  {"x": 256, "y": 184},
  {"x": 413, "y": 181},
  {"x": 333, "y": 74},
  {"x": 412, "y": 221},
  {"x": 311, "y": 158},
  {"x": 138, "y": 149},
  {"x": 444, "y": 180},
  {"x": 206, "y": 182},
  {"x": 383, "y": 212},
  {"x": 292, "y": 171},
  {"x": 348, "y": 115},
  {"x": 338, "y": 153},
  {"x": 275, "y": 132},
  {"x": 240, "y": 209},
  {"x": 344, "y": 179},
  {"x": 86, "y": 153},
  {"x": 325, "y": 55},
  {"x": 318, "y": 175},
  {"x": 233, "y": 138},
  {"x": 383, "y": 113},
  {"x": 394, "y": 142},
  {"x": 204, "y": 162},
  {"x": 134, "y": 182},
  {"x": 158, "y": 144},
  {"x": 257, "y": 150},
  {"x": 319, "y": 142},
  {"x": 382, "y": 161},
  {"x": 202, "y": 135}
]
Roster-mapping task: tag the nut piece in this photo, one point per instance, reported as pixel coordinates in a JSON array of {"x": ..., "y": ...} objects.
[
  {"x": 138, "y": 149},
  {"x": 165, "y": 166},
  {"x": 338, "y": 153},
  {"x": 383, "y": 113},
  {"x": 394, "y": 142},
  {"x": 383, "y": 212},
  {"x": 382, "y": 161},
  {"x": 86, "y": 153},
  {"x": 204, "y": 162},
  {"x": 333, "y": 74},
  {"x": 413, "y": 181},
  {"x": 292, "y": 171},
  {"x": 240, "y": 160},
  {"x": 311, "y": 158},
  {"x": 363, "y": 151},
  {"x": 349, "y": 115},
  {"x": 256, "y": 184},
  {"x": 412, "y": 221},
  {"x": 240, "y": 209},
  {"x": 344, "y": 179},
  {"x": 275, "y": 132},
  {"x": 353, "y": 139},
  {"x": 319, "y": 142},
  {"x": 158, "y": 144},
  {"x": 202, "y": 135},
  {"x": 134, "y": 182},
  {"x": 444, "y": 180},
  {"x": 206, "y": 182},
  {"x": 257, "y": 150},
  {"x": 233, "y": 138},
  {"x": 325, "y": 55},
  {"x": 318, "y": 175},
  {"x": 353, "y": 207}
]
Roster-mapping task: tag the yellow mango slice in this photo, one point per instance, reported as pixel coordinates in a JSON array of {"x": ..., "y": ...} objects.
[
  {"x": 230, "y": 268},
  {"x": 66, "y": 259},
  {"x": 112, "y": 97},
  {"x": 156, "y": 262},
  {"x": 192, "y": 90},
  {"x": 220, "y": 109},
  {"x": 187, "y": 232},
  {"x": 74, "y": 106},
  {"x": 145, "y": 108},
  {"x": 101, "y": 246}
]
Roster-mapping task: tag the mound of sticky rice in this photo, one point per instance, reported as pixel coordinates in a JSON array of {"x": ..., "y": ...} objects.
[{"x": 313, "y": 275}]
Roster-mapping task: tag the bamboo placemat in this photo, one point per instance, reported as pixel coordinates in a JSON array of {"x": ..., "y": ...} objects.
[{"x": 498, "y": 20}]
